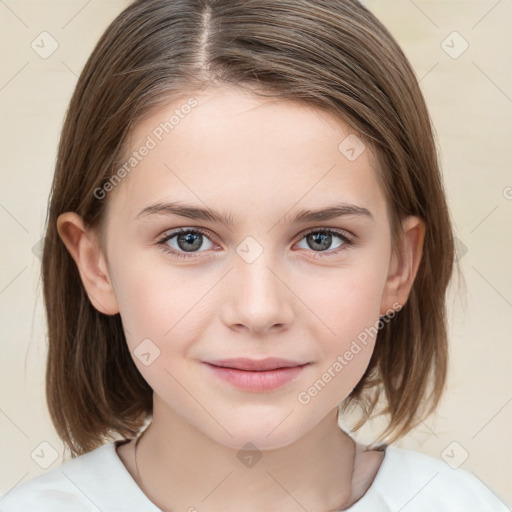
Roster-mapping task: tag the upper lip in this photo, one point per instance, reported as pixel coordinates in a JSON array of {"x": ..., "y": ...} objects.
[{"x": 243, "y": 363}]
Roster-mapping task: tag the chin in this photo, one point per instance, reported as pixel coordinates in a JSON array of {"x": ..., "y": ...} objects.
[{"x": 265, "y": 433}]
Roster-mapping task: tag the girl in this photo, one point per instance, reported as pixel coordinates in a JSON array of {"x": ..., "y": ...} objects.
[{"x": 247, "y": 236}]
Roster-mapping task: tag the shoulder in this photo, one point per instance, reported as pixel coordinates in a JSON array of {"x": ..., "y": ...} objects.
[
  {"x": 94, "y": 481},
  {"x": 414, "y": 482},
  {"x": 57, "y": 489}
]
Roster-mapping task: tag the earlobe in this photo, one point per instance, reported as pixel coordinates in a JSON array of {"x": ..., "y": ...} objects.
[
  {"x": 404, "y": 264},
  {"x": 83, "y": 246}
]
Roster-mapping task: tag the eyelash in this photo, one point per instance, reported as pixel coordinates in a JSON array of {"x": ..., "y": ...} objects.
[{"x": 347, "y": 241}]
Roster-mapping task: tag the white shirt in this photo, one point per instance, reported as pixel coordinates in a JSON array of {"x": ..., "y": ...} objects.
[{"x": 407, "y": 481}]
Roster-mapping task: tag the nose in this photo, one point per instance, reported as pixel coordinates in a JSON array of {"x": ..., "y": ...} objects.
[{"x": 257, "y": 296}]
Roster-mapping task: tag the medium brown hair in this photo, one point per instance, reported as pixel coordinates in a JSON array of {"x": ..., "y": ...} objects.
[{"x": 332, "y": 54}]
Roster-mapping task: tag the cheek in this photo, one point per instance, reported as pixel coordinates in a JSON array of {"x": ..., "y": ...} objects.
[
  {"x": 163, "y": 312},
  {"x": 151, "y": 295},
  {"x": 349, "y": 310},
  {"x": 348, "y": 301},
  {"x": 346, "y": 347}
]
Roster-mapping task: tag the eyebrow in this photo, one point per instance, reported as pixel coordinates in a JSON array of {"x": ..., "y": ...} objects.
[{"x": 209, "y": 214}]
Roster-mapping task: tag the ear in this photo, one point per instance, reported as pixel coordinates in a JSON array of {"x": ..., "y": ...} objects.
[
  {"x": 404, "y": 265},
  {"x": 85, "y": 249}
]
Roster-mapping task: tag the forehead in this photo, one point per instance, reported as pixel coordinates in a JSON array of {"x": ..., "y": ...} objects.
[{"x": 230, "y": 150}]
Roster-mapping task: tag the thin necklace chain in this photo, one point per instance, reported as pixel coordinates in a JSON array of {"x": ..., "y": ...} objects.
[
  {"x": 167, "y": 510},
  {"x": 137, "y": 468}
]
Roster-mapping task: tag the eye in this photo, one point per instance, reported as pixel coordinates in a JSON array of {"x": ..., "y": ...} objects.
[
  {"x": 189, "y": 240},
  {"x": 321, "y": 239}
]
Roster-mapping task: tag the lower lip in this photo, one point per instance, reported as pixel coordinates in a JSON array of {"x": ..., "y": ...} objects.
[{"x": 257, "y": 382}]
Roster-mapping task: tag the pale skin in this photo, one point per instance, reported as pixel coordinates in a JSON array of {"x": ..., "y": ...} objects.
[{"x": 260, "y": 160}]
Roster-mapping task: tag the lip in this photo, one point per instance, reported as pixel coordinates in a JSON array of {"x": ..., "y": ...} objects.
[
  {"x": 256, "y": 375},
  {"x": 244, "y": 363}
]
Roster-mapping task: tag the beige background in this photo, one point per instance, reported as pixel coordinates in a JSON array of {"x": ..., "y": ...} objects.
[{"x": 470, "y": 99}]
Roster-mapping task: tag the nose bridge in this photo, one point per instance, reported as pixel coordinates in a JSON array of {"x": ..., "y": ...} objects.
[
  {"x": 255, "y": 266},
  {"x": 259, "y": 296}
]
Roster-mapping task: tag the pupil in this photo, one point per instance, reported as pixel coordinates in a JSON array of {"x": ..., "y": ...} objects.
[
  {"x": 189, "y": 239},
  {"x": 324, "y": 237}
]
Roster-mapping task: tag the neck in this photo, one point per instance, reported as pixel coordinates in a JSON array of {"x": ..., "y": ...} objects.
[{"x": 188, "y": 469}]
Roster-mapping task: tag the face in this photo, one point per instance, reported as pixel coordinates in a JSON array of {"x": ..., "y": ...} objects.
[{"x": 258, "y": 283}]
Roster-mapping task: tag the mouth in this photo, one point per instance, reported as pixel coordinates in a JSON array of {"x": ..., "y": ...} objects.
[
  {"x": 242, "y": 363},
  {"x": 256, "y": 375}
]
